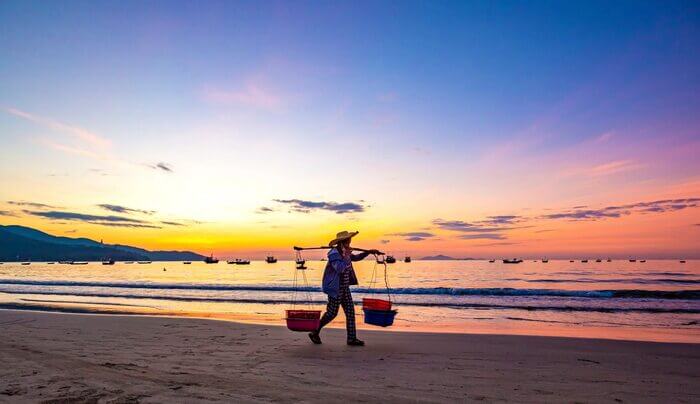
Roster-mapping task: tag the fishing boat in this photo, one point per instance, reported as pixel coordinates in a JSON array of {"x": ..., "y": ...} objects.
[
  {"x": 643, "y": 261},
  {"x": 128, "y": 262},
  {"x": 407, "y": 259},
  {"x": 545, "y": 260},
  {"x": 211, "y": 260},
  {"x": 390, "y": 259},
  {"x": 108, "y": 262},
  {"x": 609, "y": 260},
  {"x": 571, "y": 260},
  {"x": 241, "y": 262},
  {"x": 270, "y": 259},
  {"x": 78, "y": 263},
  {"x": 64, "y": 262},
  {"x": 513, "y": 261},
  {"x": 187, "y": 262},
  {"x": 50, "y": 263},
  {"x": 492, "y": 261},
  {"x": 633, "y": 260},
  {"x": 144, "y": 262},
  {"x": 26, "y": 263},
  {"x": 682, "y": 261},
  {"x": 599, "y": 260},
  {"x": 584, "y": 261}
]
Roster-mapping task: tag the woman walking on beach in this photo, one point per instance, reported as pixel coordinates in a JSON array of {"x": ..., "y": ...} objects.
[{"x": 337, "y": 278}]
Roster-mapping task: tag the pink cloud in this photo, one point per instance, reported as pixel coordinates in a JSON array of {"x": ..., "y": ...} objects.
[
  {"x": 603, "y": 138},
  {"x": 81, "y": 134},
  {"x": 613, "y": 167},
  {"x": 252, "y": 95}
]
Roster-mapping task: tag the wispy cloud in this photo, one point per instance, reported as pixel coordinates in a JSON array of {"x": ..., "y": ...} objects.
[
  {"x": 613, "y": 167},
  {"x": 123, "y": 209},
  {"x": 497, "y": 244},
  {"x": 34, "y": 205},
  {"x": 660, "y": 206},
  {"x": 482, "y": 226},
  {"x": 482, "y": 236},
  {"x": 299, "y": 205},
  {"x": 82, "y": 134},
  {"x": 385, "y": 241},
  {"x": 169, "y": 223},
  {"x": 161, "y": 166},
  {"x": 414, "y": 235},
  {"x": 264, "y": 209},
  {"x": 252, "y": 94},
  {"x": 604, "y": 137},
  {"x": 8, "y": 213},
  {"x": 102, "y": 220}
]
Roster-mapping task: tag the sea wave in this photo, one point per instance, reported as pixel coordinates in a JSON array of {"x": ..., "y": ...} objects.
[
  {"x": 598, "y": 294},
  {"x": 453, "y": 305}
]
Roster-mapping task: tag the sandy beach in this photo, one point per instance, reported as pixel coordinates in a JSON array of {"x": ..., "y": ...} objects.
[{"x": 51, "y": 357}]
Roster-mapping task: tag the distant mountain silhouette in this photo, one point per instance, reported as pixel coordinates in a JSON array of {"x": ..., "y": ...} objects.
[
  {"x": 20, "y": 243},
  {"x": 441, "y": 257},
  {"x": 438, "y": 257}
]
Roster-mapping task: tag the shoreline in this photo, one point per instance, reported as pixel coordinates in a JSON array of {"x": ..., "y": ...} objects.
[
  {"x": 545, "y": 330},
  {"x": 51, "y": 356}
]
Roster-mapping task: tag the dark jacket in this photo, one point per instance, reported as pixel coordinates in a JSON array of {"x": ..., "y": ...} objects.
[{"x": 335, "y": 267}]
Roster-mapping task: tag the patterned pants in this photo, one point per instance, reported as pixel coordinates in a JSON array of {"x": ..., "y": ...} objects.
[{"x": 345, "y": 299}]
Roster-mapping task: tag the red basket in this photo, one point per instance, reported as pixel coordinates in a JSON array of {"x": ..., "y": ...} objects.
[
  {"x": 303, "y": 320},
  {"x": 376, "y": 304}
]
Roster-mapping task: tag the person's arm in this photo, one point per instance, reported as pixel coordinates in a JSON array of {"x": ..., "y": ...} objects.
[{"x": 360, "y": 256}]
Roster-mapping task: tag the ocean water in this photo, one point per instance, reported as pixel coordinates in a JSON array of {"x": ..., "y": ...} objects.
[{"x": 654, "y": 301}]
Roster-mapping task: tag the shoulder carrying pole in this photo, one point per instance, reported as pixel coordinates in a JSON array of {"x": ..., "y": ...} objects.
[{"x": 327, "y": 247}]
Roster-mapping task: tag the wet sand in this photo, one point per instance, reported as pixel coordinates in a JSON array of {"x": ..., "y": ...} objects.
[{"x": 56, "y": 358}]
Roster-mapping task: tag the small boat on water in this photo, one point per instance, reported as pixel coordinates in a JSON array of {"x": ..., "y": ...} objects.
[
  {"x": 270, "y": 259},
  {"x": 390, "y": 259},
  {"x": 50, "y": 263},
  {"x": 681, "y": 261},
  {"x": 643, "y": 261},
  {"x": 26, "y": 263},
  {"x": 513, "y": 261},
  {"x": 128, "y": 262},
  {"x": 144, "y": 262},
  {"x": 545, "y": 260},
  {"x": 187, "y": 262},
  {"x": 609, "y": 260},
  {"x": 492, "y": 261},
  {"x": 211, "y": 260},
  {"x": 407, "y": 259},
  {"x": 108, "y": 262},
  {"x": 64, "y": 262},
  {"x": 571, "y": 260},
  {"x": 584, "y": 261},
  {"x": 242, "y": 262},
  {"x": 599, "y": 260},
  {"x": 633, "y": 260},
  {"x": 78, "y": 263}
]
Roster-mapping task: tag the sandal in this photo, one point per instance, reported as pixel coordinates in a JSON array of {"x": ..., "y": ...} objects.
[{"x": 315, "y": 338}]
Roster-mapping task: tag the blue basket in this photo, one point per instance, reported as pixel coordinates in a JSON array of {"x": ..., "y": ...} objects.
[{"x": 382, "y": 318}]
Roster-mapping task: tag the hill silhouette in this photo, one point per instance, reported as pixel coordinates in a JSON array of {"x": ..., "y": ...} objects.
[{"x": 20, "y": 243}]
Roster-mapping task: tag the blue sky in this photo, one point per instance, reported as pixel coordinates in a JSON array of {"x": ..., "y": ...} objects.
[{"x": 478, "y": 102}]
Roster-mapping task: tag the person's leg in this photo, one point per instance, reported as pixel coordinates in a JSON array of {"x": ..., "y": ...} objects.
[
  {"x": 349, "y": 309},
  {"x": 328, "y": 316},
  {"x": 331, "y": 312}
]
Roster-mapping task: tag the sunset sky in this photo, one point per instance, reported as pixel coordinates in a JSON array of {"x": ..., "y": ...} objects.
[{"x": 480, "y": 129}]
